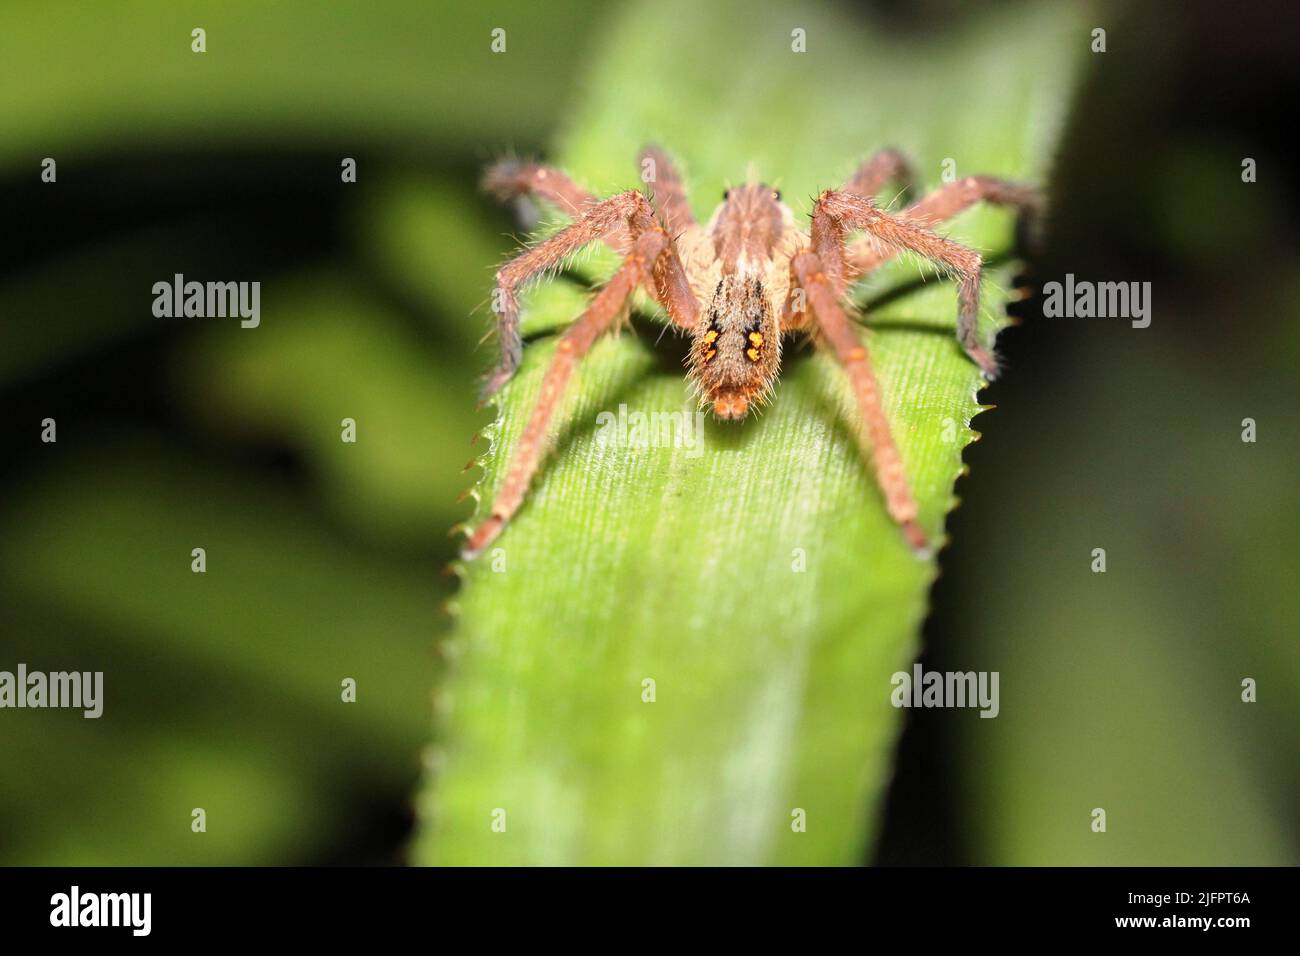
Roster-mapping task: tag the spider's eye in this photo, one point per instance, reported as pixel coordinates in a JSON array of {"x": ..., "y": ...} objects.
[
  {"x": 776, "y": 194},
  {"x": 726, "y": 194}
]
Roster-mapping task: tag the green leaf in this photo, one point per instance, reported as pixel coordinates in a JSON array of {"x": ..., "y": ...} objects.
[{"x": 755, "y": 579}]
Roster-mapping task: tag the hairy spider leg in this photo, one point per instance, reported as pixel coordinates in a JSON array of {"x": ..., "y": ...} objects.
[
  {"x": 510, "y": 178},
  {"x": 627, "y": 210},
  {"x": 841, "y": 334},
  {"x": 839, "y": 212},
  {"x": 573, "y": 345},
  {"x": 882, "y": 167},
  {"x": 947, "y": 201},
  {"x": 821, "y": 270},
  {"x": 668, "y": 192}
]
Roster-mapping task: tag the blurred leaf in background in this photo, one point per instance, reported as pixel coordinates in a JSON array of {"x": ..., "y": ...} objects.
[
  {"x": 224, "y": 688},
  {"x": 1123, "y": 690}
]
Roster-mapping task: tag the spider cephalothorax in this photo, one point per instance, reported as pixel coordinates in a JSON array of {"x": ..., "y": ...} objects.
[{"x": 736, "y": 285}]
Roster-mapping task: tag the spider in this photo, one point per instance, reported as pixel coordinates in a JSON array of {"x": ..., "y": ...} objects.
[{"x": 737, "y": 285}]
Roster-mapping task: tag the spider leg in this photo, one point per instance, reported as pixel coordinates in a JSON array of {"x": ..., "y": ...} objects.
[
  {"x": 573, "y": 345},
  {"x": 872, "y": 175},
  {"x": 669, "y": 192},
  {"x": 841, "y": 334},
  {"x": 838, "y": 212},
  {"x": 885, "y": 166},
  {"x": 628, "y": 210},
  {"x": 510, "y": 178},
  {"x": 948, "y": 200}
]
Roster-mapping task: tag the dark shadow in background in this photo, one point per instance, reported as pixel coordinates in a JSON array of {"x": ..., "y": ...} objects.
[{"x": 1175, "y": 75}]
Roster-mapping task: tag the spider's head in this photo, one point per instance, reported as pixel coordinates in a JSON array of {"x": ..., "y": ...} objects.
[{"x": 736, "y": 350}]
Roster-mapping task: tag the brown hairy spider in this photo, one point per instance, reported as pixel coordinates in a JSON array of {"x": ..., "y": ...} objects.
[{"x": 736, "y": 285}]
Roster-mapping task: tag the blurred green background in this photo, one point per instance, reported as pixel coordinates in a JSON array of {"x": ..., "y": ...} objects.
[{"x": 1118, "y": 690}]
